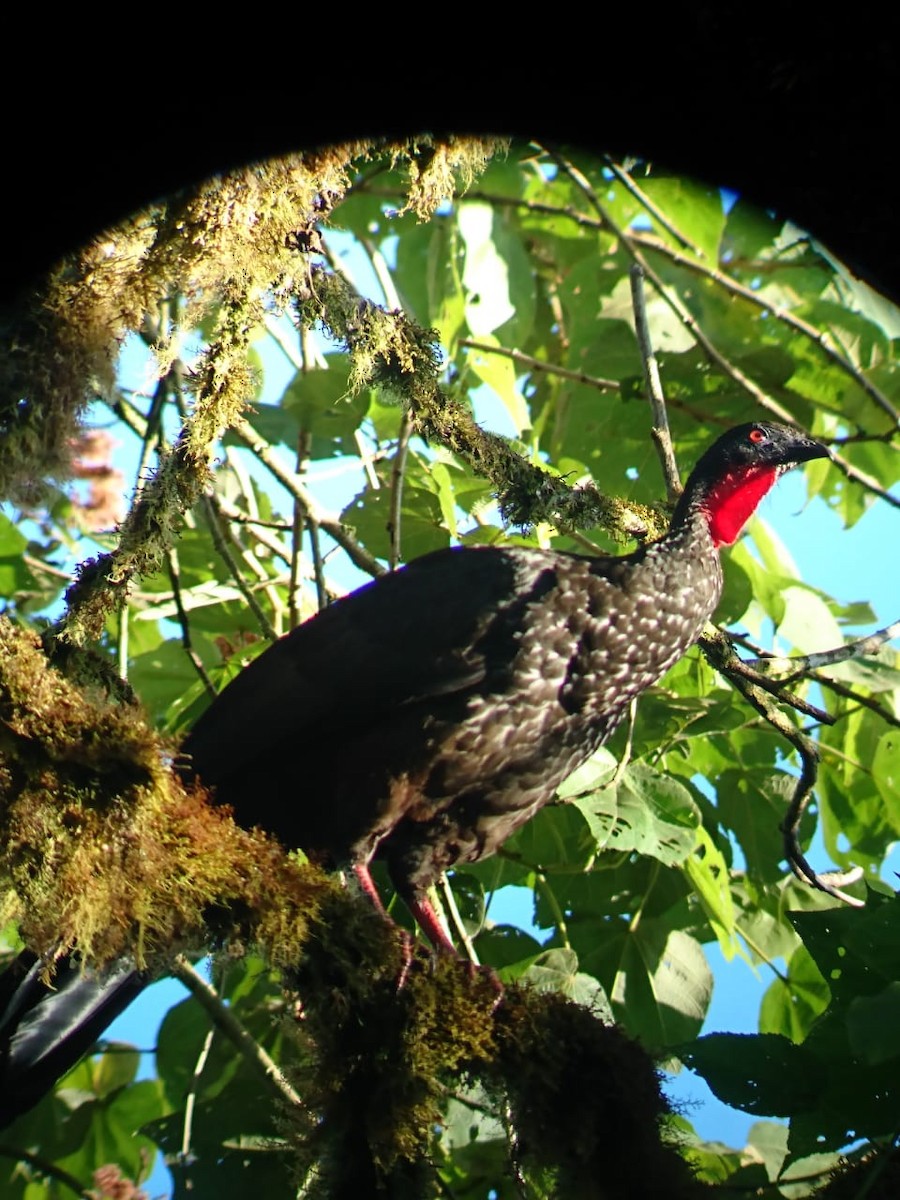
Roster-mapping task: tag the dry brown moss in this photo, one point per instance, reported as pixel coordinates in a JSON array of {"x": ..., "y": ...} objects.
[{"x": 102, "y": 848}]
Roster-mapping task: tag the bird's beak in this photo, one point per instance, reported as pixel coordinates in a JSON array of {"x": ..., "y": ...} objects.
[{"x": 805, "y": 449}]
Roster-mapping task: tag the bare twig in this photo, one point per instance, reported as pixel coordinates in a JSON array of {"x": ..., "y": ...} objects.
[
  {"x": 304, "y": 441},
  {"x": 258, "y": 530},
  {"x": 382, "y": 274},
  {"x": 681, "y": 311},
  {"x": 190, "y": 1102},
  {"x": 718, "y": 649},
  {"x": 226, "y": 1022},
  {"x": 122, "y": 641},
  {"x": 787, "y": 669},
  {"x": 662, "y": 437},
  {"x": 760, "y": 299},
  {"x": 247, "y": 552},
  {"x": 46, "y": 1166},
  {"x": 318, "y": 561},
  {"x": 186, "y": 642},
  {"x": 539, "y": 364},
  {"x": 738, "y": 667},
  {"x": 397, "y": 474},
  {"x": 833, "y": 685},
  {"x": 864, "y": 479},
  {"x": 326, "y": 521},
  {"x": 449, "y": 901},
  {"x": 368, "y": 457},
  {"x": 218, "y": 529},
  {"x": 658, "y": 215}
]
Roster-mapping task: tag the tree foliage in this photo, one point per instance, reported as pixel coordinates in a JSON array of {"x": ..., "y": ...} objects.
[{"x": 317, "y": 369}]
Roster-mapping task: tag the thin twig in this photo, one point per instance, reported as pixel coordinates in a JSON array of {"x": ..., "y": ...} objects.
[
  {"x": 328, "y": 522},
  {"x": 556, "y": 910},
  {"x": 656, "y": 213},
  {"x": 242, "y": 518},
  {"x": 368, "y": 457},
  {"x": 304, "y": 442},
  {"x": 226, "y": 1022},
  {"x": 864, "y": 479},
  {"x": 539, "y": 364},
  {"x": 46, "y": 1166},
  {"x": 247, "y": 553},
  {"x": 186, "y": 642},
  {"x": 397, "y": 475},
  {"x": 190, "y": 1103},
  {"x": 662, "y": 437},
  {"x": 318, "y": 561},
  {"x": 761, "y": 300},
  {"x": 827, "y": 681},
  {"x": 718, "y": 649},
  {"x": 217, "y": 529},
  {"x": 739, "y": 667},
  {"x": 622, "y": 764},
  {"x": 122, "y": 641},
  {"x": 758, "y": 298},
  {"x": 458, "y": 924},
  {"x": 382, "y": 274},
  {"x": 675, "y": 303},
  {"x": 789, "y": 668},
  {"x": 257, "y": 529}
]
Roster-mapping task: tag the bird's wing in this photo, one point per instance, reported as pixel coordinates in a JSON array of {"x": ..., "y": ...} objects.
[{"x": 441, "y": 625}]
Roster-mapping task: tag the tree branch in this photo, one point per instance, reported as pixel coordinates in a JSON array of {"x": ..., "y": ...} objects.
[
  {"x": 787, "y": 669},
  {"x": 719, "y": 651},
  {"x": 662, "y": 436},
  {"x": 226, "y": 1022},
  {"x": 539, "y": 364}
]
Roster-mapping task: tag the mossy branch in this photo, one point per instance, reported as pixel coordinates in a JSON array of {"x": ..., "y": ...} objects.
[{"x": 391, "y": 352}]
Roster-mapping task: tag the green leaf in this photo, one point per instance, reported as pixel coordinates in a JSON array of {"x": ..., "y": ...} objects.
[
  {"x": 486, "y": 275},
  {"x": 792, "y": 1003},
  {"x": 886, "y": 773},
  {"x": 661, "y": 983},
  {"x": 761, "y": 1074},
  {"x": 708, "y": 873},
  {"x": 695, "y": 210},
  {"x": 873, "y": 1024},
  {"x": 646, "y": 812},
  {"x": 808, "y": 624},
  {"x": 14, "y": 574},
  {"x": 498, "y": 372},
  {"x": 557, "y": 971}
]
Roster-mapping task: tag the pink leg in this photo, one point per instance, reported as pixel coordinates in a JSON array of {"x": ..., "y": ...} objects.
[
  {"x": 430, "y": 924},
  {"x": 366, "y": 882}
]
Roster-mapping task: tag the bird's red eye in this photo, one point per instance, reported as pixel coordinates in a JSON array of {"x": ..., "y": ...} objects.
[{"x": 756, "y": 435}]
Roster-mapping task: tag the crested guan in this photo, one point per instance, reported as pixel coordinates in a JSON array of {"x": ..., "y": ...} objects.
[{"x": 441, "y": 706}]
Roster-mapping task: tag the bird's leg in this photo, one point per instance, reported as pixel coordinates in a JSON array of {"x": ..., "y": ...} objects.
[
  {"x": 420, "y": 907},
  {"x": 367, "y": 883},
  {"x": 430, "y": 923}
]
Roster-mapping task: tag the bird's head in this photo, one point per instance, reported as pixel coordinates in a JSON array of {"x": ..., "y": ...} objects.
[{"x": 738, "y": 469}]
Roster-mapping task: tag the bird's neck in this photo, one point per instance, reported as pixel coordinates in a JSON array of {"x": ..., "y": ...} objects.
[{"x": 727, "y": 503}]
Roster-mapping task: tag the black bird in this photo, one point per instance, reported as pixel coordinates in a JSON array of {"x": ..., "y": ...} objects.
[{"x": 441, "y": 706}]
